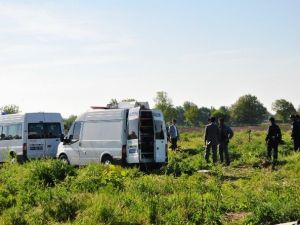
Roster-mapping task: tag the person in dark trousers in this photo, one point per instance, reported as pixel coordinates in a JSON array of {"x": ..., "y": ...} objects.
[
  {"x": 211, "y": 138},
  {"x": 174, "y": 135},
  {"x": 226, "y": 134},
  {"x": 273, "y": 139},
  {"x": 296, "y": 131}
]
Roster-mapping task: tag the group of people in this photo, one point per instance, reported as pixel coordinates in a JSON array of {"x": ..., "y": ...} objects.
[{"x": 217, "y": 136}]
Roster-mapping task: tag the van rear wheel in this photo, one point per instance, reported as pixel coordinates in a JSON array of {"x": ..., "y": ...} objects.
[
  {"x": 107, "y": 160},
  {"x": 64, "y": 159}
]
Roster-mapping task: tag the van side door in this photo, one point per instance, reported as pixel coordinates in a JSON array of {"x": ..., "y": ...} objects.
[
  {"x": 160, "y": 137},
  {"x": 132, "y": 147}
]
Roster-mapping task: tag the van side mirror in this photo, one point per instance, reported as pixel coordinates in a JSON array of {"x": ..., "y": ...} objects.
[
  {"x": 71, "y": 137},
  {"x": 62, "y": 138}
]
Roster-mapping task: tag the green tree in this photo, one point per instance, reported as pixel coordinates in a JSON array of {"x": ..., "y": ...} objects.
[
  {"x": 10, "y": 109},
  {"x": 222, "y": 112},
  {"x": 165, "y": 104},
  {"x": 68, "y": 122},
  {"x": 179, "y": 115},
  {"x": 113, "y": 102},
  {"x": 204, "y": 114},
  {"x": 248, "y": 110},
  {"x": 191, "y": 113},
  {"x": 298, "y": 111},
  {"x": 283, "y": 109}
]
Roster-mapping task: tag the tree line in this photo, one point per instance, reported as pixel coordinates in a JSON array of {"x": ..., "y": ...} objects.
[{"x": 247, "y": 110}]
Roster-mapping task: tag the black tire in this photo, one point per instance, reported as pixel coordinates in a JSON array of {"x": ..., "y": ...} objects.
[
  {"x": 13, "y": 157},
  {"x": 107, "y": 160},
  {"x": 64, "y": 159}
]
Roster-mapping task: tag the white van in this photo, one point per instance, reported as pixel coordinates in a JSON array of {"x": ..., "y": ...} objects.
[
  {"x": 132, "y": 136},
  {"x": 30, "y": 135}
]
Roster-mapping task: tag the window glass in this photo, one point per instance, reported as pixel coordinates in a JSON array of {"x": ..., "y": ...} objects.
[
  {"x": 159, "y": 131},
  {"x": 133, "y": 129},
  {"x": 76, "y": 131},
  {"x": 12, "y": 131},
  {"x": 35, "y": 131},
  {"x": 44, "y": 130},
  {"x": 52, "y": 130}
]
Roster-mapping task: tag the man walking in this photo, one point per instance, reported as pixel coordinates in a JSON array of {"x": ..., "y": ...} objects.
[
  {"x": 295, "y": 132},
  {"x": 211, "y": 137},
  {"x": 273, "y": 139},
  {"x": 174, "y": 135},
  {"x": 226, "y": 134}
]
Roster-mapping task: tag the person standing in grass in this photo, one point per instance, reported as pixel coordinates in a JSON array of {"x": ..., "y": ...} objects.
[
  {"x": 174, "y": 135},
  {"x": 211, "y": 138},
  {"x": 226, "y": 134},
  {"x": 273, "y": 139},
  {"x": 296, "y": 131}
]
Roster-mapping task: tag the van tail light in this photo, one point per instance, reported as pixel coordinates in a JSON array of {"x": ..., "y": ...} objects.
[
  {"x": 167, "y": 159},
  {"x": 124, "y": 154},
  {"x": 25, "y": 151}
]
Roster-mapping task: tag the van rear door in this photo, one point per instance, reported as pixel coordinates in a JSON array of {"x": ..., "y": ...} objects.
[
  {"x": 53, "y": 129},
  {"x": 133, "y": 151},
  {"x": 35, "y": 139},
  {"x": 160, "y": 137}
]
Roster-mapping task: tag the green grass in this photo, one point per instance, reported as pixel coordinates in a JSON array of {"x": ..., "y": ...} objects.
[{"x": 247, "y": 192}]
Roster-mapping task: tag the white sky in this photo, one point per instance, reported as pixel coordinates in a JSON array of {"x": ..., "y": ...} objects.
[{"x": 65, "y": 56}]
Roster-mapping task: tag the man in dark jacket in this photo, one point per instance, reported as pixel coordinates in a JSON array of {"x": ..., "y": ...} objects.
[
  {"x": 211, "y": 138},
  {"x": 226, "y": 134},
  {"x": 273, "y": 139},
  {"x": 296, "y": 132}
]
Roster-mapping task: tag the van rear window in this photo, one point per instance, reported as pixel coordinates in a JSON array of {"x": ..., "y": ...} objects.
[{"x": 44, "y": 130}]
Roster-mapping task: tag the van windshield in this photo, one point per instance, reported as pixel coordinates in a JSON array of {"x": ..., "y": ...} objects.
[
  {"x": 44, "y": 130},
  {"x": 133, "y": 129}
]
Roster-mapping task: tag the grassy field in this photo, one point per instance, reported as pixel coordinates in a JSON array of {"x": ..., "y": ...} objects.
[{"x": 247, "y": 192}]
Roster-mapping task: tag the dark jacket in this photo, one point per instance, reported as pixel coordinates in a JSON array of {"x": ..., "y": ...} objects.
[
  {"x": 296, "y": 130},
  {"x": 274, "y": 134},
  {"x": 211, "y": 135},
  {"x": 226, "y": 133}
]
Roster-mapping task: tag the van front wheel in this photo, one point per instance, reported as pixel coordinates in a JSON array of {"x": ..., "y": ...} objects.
[
  {"x": 107, "y": 160},
  {"x": 64, "y": 159}
]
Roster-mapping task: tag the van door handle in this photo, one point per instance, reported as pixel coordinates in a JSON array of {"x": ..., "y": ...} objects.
[
  {"x": 80, "y": 144},
  {"x": 49, "y": 146}
]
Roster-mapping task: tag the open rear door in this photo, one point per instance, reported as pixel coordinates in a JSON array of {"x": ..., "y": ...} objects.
[
  {"x": 133, "y": 151},
  {"x": 160, "y": 137}
]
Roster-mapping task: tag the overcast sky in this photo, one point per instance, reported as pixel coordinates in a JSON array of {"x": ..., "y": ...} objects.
[{"x": 67, "y": 55}]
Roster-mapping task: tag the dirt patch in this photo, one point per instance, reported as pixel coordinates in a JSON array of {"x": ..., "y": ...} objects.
[{"x": 236, "y": 216}]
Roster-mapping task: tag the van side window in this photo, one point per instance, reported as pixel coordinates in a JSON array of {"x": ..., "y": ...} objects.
[
  {"x": 76, "y": 131},
  {"x": 11, "y": 131},
  {"x": 159, "y": 131}
]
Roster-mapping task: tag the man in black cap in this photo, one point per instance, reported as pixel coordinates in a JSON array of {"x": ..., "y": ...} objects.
[
  {"x": 296, "y": 131},
  {"x": 273, "y": 139},
  {"x": 211, "y": 138}
]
